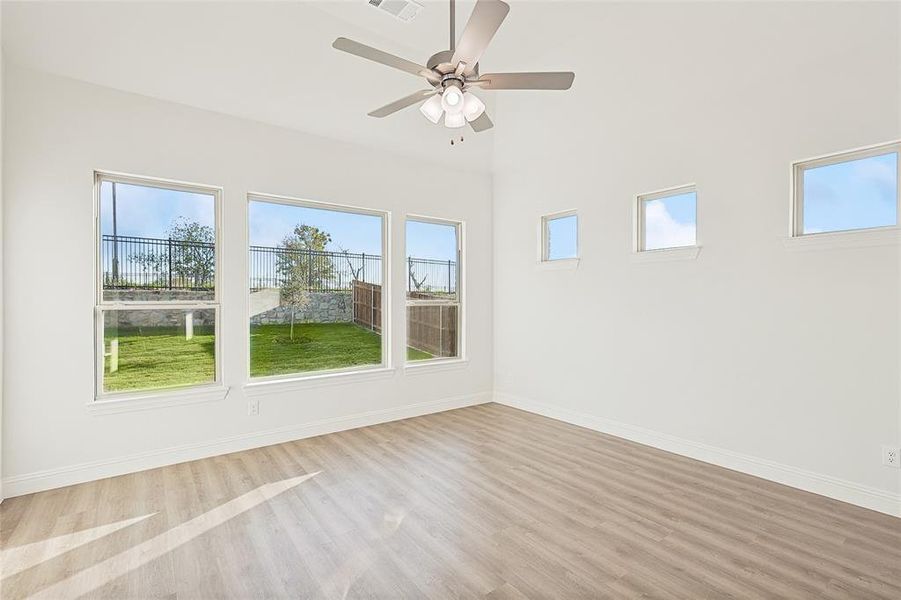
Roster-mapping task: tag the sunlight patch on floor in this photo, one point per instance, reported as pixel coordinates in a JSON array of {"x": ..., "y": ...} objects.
[
  {"x": 116, "y": 566},
  {"x": 17, "y": 559}
]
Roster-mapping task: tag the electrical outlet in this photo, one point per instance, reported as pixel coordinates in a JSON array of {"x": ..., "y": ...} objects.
[
  {"x": 253, "y": 406},
  {"x": 891, "y": 456}
]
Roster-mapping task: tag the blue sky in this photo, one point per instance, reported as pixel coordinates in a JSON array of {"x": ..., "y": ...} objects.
[
  {"x": 271, "y": 222},
  {"x": 671, "y": 221},
  {"x": 149, "y": 212},
  {"x": 562, "y": 238},
  {"x": 851, "y": 195},
  {"x": 431, "y": 240}
]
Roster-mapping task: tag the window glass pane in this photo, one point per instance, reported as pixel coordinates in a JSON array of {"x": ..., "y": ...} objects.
[
  {"x": 431, "y": 260},
  {"x": 151, "y": 349},
  {"x": 670, "y": 222},
  {"x": 315, "y": 289},
  {"x": 562, "y": 238},
  {"x": 432, "y": 290},
  {"x": 856, "y": 194},
  {"x": 156, "y": 244}
]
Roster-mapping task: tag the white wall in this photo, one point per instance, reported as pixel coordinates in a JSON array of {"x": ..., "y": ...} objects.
[
  {"x": 772, "y": 360},
  {"x": 57, "y": 132},
  {"x": 1, "y": 261}
]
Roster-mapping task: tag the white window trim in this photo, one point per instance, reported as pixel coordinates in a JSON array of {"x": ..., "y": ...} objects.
[
  {"x": 151, "y": 398},
  {"x": 303, "y": 380},
  {"x": 844, "y": 238},
  {"x": 462, "y": 358},
  {"x": 639, "y": 253},
  {"x": 432, "y": 365},
  {"x": 544, "y": 261},
  {"x": 162, "y": 398},
  {"x": 265, "y": 386}
]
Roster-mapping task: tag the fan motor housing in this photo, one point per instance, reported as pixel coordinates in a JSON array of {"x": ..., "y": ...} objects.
[{"x": 441, "y": 62}]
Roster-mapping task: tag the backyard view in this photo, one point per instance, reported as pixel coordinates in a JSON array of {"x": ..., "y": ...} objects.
[
  {"x": 157, "y": 357},
  {"x": 314, "y": 285}
]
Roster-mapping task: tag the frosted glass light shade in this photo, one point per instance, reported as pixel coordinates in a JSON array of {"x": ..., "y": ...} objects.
[
  {"x": 431, "y": 109},
  {"x": 473, "y": 107},
  {"x": 452, "y": 100},
  {"x": 454, "y": 120}
]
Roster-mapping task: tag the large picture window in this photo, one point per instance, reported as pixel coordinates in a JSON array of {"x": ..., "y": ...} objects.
[
  {"x": 434, "y": 254},
  {"x": 847, "y": 191},
  {"x": 157, "y": 309},
  {"x": 317, "y": 273}
]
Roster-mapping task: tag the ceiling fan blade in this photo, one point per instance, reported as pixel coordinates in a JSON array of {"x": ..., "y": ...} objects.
[
  {"x": 380, "y": 56},
  {"x": 404, "y": 102},
  {"x": 560, "y": 80},
  {"x": 484, "y": 22},
  {"x": 482, "y": 123}
]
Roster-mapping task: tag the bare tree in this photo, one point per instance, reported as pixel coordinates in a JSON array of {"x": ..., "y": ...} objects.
[
  {"x": 417, "y": 283},
  {"x": 355, "y": 271}
]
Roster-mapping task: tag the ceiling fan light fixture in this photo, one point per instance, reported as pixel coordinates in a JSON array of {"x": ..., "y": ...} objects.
[
  {"x": 452, "y": 100},
  {"x": 454, "y": 120},
  {"x": 450, "y": 73},
  {"x": 473, "y": 107},
  {"x": 432, "y": 109}
]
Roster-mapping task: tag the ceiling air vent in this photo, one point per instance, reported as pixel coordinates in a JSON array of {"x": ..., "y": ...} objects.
[{"x": 405, "y": 10}]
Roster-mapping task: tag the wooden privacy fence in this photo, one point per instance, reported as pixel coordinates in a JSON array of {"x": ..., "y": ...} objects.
[
  {"x": 431, "y": 328},
  {"x": 367, "y": 299}
]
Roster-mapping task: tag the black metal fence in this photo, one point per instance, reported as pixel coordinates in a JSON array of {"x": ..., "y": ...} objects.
[
  {"x": 130, "y": 262},
  {"x": 154, "y": 263},
  {"x": 429, "y": 275},
  {"x": 320, "y": 271}
]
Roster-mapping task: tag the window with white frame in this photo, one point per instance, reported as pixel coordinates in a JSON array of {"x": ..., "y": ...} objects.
[
  {"x": 157, "y": 311},
  {"x": 434, "y": 296},
  {"x": 847, "y": 191},
  {"x": 667, "y": 219},
  {"x": 317, "y": 287},
  {"x": 560, "y": 236}
]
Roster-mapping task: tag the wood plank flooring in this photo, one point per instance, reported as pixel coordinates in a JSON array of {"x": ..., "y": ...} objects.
[{"x": 481, "y": 502}]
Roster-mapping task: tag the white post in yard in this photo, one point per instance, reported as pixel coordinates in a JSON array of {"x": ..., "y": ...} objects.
[
  {"x": 189, "y": 325},
  {"x": 114, "y": 355}
]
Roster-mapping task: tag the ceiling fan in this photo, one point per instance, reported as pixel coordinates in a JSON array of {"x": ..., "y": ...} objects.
[{"x": 452, "y": 74}]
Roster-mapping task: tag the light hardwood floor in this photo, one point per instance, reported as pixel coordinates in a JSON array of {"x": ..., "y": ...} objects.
[{"x": 485, "y": 501}]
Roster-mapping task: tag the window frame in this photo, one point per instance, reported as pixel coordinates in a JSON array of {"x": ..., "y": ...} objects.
[
  {"x": 798, "y": 167},
  {"x": 146, "y": 398},
  {"x": 638, "y": 226},
  {"x": 544, "y": 234},
  {"x": 462, "y": 357},
  {"x": 311, "y": 377}
]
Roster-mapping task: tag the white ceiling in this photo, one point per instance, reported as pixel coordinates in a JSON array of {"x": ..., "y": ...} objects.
[{"x": 267, "y": 61}]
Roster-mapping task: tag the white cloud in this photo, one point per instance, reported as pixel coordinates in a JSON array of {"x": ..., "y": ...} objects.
[
  {"x": 878, "y": 170},
  {"x": 662, "y": 231}
]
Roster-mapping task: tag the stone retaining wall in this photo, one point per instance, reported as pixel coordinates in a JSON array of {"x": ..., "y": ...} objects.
[
  {"x": 157, "y": 295},
  {"x": 323, "y": 307}
]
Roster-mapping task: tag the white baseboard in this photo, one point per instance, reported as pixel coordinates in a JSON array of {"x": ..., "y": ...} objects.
[
  {"x": 824, "y": 485},
  {"x": 38, "y": 481}
]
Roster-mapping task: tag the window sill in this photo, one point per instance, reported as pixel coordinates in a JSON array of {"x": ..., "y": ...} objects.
[
  {"x": 667, "y": 254},
  {"x": 863, "y": 238},
  {"x": 160, "y": 399},
  {"x": 560, "y": 264},
  {"x": 290, "y": 384},
  {"x": 435, "y": 365}
]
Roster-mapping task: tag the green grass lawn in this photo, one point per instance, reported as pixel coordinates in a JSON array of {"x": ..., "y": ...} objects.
[{"x": 157, "y": 357}]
